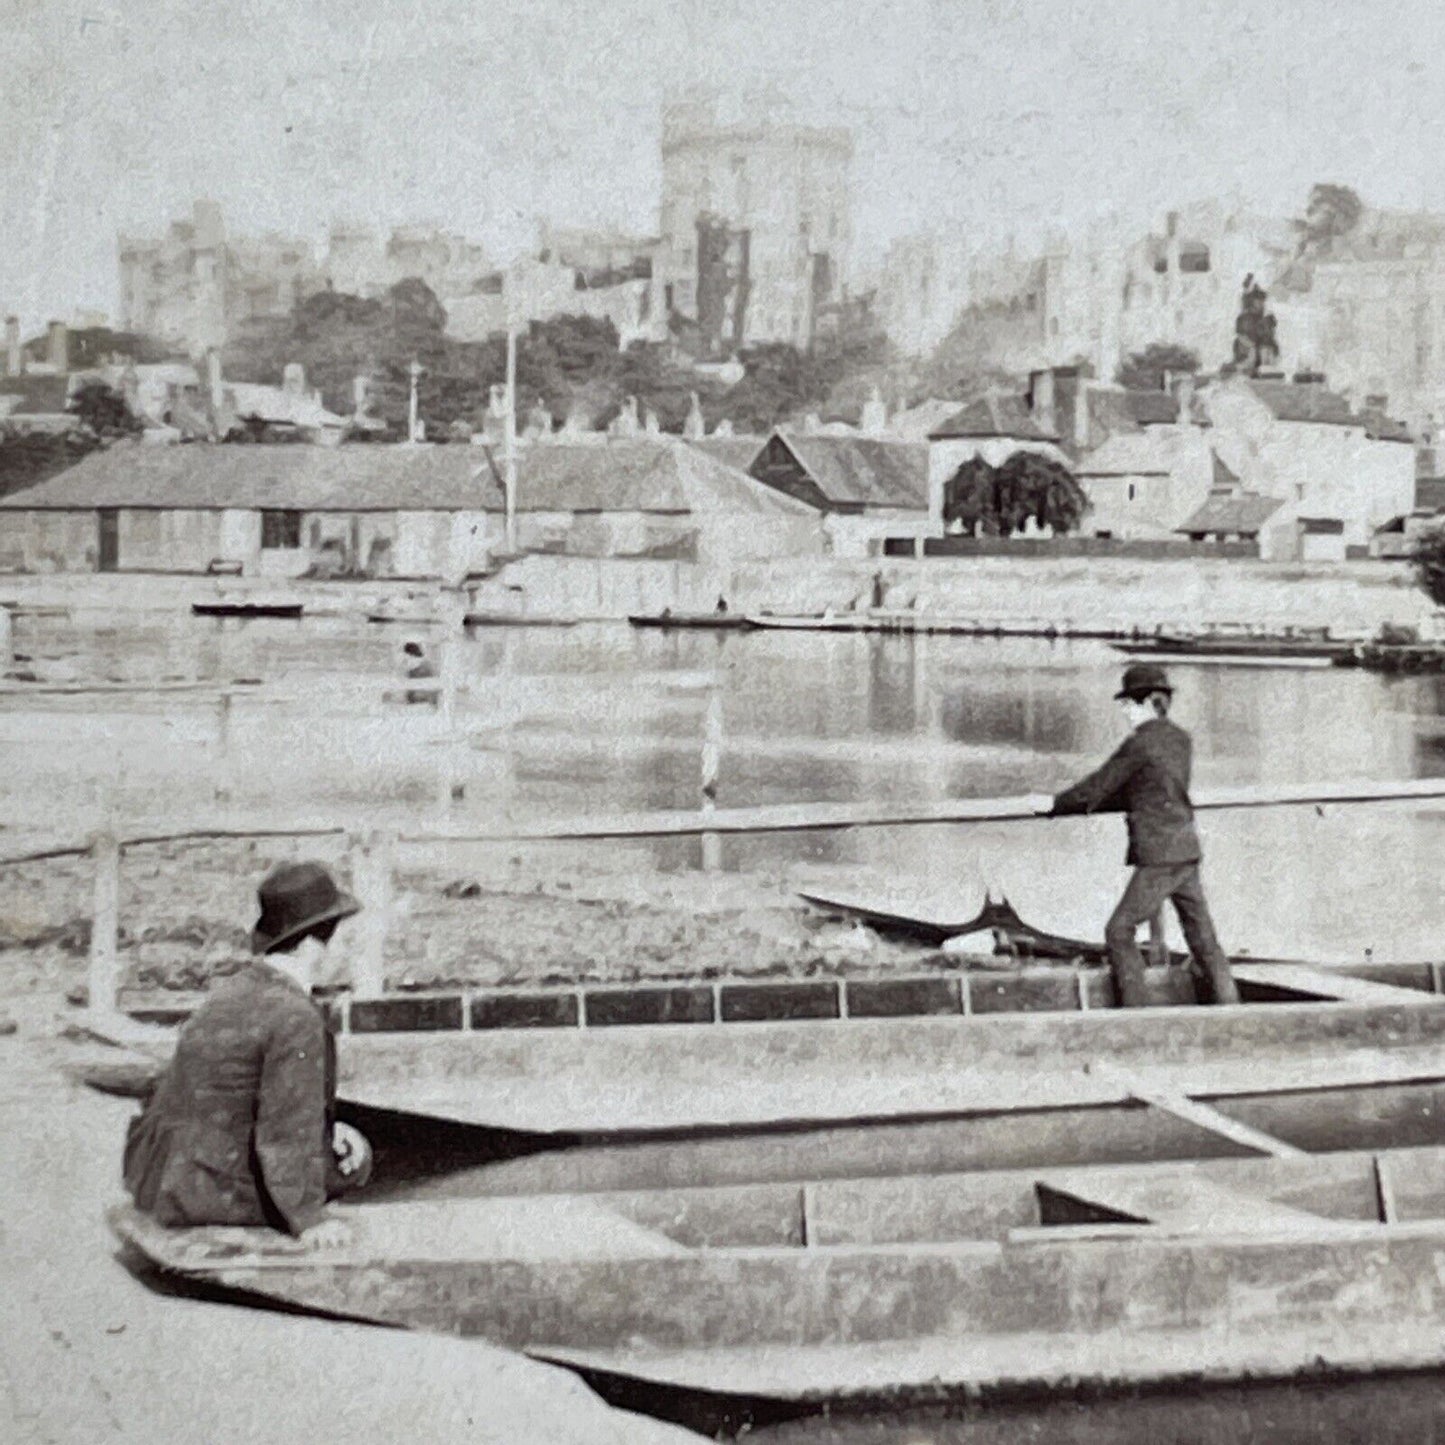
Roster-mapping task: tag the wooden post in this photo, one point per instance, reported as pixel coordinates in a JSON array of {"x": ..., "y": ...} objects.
[
  {"x": 1158, "y": 944},
  {"x": 371, "y": 880},
  {"x": 105, "y": 923},
  {"x": 222, "y": 780},
  {"x": 711, "y": 763}
]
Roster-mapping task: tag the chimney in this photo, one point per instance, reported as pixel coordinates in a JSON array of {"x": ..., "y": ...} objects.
[
  {"x": 14, "y": 357},
  {"x": 1377, "y": 401},
  {"x": 360, "y": 387},
  {"x": 1186, "y": 399},
  {"x": 293, "y": 379},
  {"x": 1041, "y": 399},
  {"x": 875, "y": 415},
  {"x": 213, "y": 380},
  {"x": 1081, "y": 414},
  {"x": 57, "y": 347}
]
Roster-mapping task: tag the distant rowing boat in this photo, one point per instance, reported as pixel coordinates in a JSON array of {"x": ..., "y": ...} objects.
[
  {"x": 516, "y": 619},
  {"x": 247, "y": 609},
  {"x": 712, "y": 621},
  {"x": 1280, "y": 648},
  {"x": 910, "y": 622}
]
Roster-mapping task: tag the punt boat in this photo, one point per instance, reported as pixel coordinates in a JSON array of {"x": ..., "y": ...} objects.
[
  {"x": 246, "y": 609},
  {"x": 1304, "y": 646},
  {"x": 726, "y": 1308},
  {"x": 710, "y": 621}
]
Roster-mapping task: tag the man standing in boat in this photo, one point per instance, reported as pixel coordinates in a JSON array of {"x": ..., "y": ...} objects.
[
  {"x": 240, "y": 1128},
  {"x": 1148, "y": 779}
]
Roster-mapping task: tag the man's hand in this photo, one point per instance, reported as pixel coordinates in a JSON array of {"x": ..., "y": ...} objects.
[
  {"x": 1042, "y": 804},
  {"x": 350, "y": 1148},
  {"x": 329, "y": 1234}
]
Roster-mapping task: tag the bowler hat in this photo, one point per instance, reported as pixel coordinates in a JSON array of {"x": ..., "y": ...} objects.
[
  {"x": 1143, "y": 678},
  {"x": 294, "y": 898}
]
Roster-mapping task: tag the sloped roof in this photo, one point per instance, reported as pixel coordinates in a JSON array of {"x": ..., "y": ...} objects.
[
  {"x": 1238, "y": 512},
  {"x": 1127, "y": 454},
  {"x": 274, "y": 404},
  {"x": 33, "y": 395},
  {"x": 1430, "y": 494},
  {"x": 1224, "y": 475},
  {"x": 634, "y": 476},
  {"x": 1152, "y": 408},
  {"x": 919, "y": 422},
  {"x": 994, "y": 415},
  {"x": 734, "y": 451},
  {"x": 867, "y": 471}
]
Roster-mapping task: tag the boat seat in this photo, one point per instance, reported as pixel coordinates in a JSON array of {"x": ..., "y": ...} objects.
[{"x": 1182, "y": 1202}]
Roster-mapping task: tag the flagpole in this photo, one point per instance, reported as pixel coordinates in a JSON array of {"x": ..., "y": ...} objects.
[{"x": 510, "y": 465}]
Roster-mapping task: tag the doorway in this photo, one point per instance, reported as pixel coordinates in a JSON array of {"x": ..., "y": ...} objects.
[{"x": 109, "y": 539}]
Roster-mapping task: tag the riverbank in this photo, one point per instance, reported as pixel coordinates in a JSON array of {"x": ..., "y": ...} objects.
[
  {"x": 89, "y": 1353},
  {"x": 1109, "y": 593},
  {"x": 556, "y": 917}
]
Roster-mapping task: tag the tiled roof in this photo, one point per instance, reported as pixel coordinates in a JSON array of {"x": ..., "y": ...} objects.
[
  {"x": 867, "y": 471},
  {"x": 1152, "y": 408},
  {"x": 1243, "y": 513},
  {"x": 32, "y": 395},
  {"x": 919, "y": 422},
  {"x": 994, "y": 415},
  {"x": 1430, "y": 494},
  {"x": 736, "y": 451},
  {"x": 273, "y": 404},
  {"x": 630, "y": 476},
  {"x": 1292, "y": 402},
  {"x": 1127, "y": 454}
]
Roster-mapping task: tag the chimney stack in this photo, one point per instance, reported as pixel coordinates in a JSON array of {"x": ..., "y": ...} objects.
[
  {"x": 360, "y": 387},
  {"x": 213, "y": 380},
  {"x": 875, "y": 415},
  {"x": 1186, "y": 399},
  {"x": 1042, "y": 401},
  {"x": 14, "y": 357},
  {"x": 1081, "y": 414},
  {"x": 293, "y": 379},
  {"x": 57, "y": 347}
]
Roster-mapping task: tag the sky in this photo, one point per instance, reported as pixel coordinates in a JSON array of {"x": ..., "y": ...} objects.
[{"x": 978, "y": 116}]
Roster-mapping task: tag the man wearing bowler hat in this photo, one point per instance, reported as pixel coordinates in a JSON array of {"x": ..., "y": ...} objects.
[
  {"x": 240, "y": 1128},
  {"x": 1148, "y": 779}
]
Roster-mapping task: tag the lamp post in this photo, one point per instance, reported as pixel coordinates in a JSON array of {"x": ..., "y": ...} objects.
[
  {"x": 414, "y": 371},
  {"x": 509, "y": 472}
]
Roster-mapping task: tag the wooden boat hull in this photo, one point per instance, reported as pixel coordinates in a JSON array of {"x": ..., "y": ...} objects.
[
  {"x": 508, "y": 619},
  {"x": 1279, "y": 649},
  {"x": 707, "y": 621},
  {"x": 247, "y": 609},
  {"x": 893, "y": 1291},
  {"x": 580, "y": 1108}
]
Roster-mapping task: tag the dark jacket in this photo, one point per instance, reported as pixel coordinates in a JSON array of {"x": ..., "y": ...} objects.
[
  {"x": 238, "y": 1130},
  {"x": 1147, "y": 778}
]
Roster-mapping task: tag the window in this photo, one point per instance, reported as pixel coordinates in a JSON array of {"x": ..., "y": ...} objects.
[
  {"x": 280, "y": 530},
  {"x": 1131, "y": 491}
]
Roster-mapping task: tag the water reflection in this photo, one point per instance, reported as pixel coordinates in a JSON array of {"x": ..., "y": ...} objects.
[{"x": 601, "y": 718}]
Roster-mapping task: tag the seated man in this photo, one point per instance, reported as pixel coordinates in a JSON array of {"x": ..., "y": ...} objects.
[{"x": 240, "y": 1128}]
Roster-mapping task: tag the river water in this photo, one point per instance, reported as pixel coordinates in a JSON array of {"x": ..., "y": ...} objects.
[{"x": 603, "y": 717}]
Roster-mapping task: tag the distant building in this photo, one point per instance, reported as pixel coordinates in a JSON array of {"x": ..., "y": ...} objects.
[
  {"x": 403, "y": 511},
  {"x": 1378, "y": 303},
  {"x": 359, "y": 262},
  {"x": 991, "y": 428},
  {"x": 193, "y": 286},
  {"x": 756, "y": 228},
  {"x": 869, "y": 489},
  {"x": 923, "y": 288}
]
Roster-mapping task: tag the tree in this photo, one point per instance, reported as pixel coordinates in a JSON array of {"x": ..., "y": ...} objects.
[
  {"x": 104, "y": 411},
  {"x": 1145, "y": 370},
  {"x": 1331, "y": 213},
  {"x": 1428, "y": 556},
  {"x": 1003, "y": 500}
]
